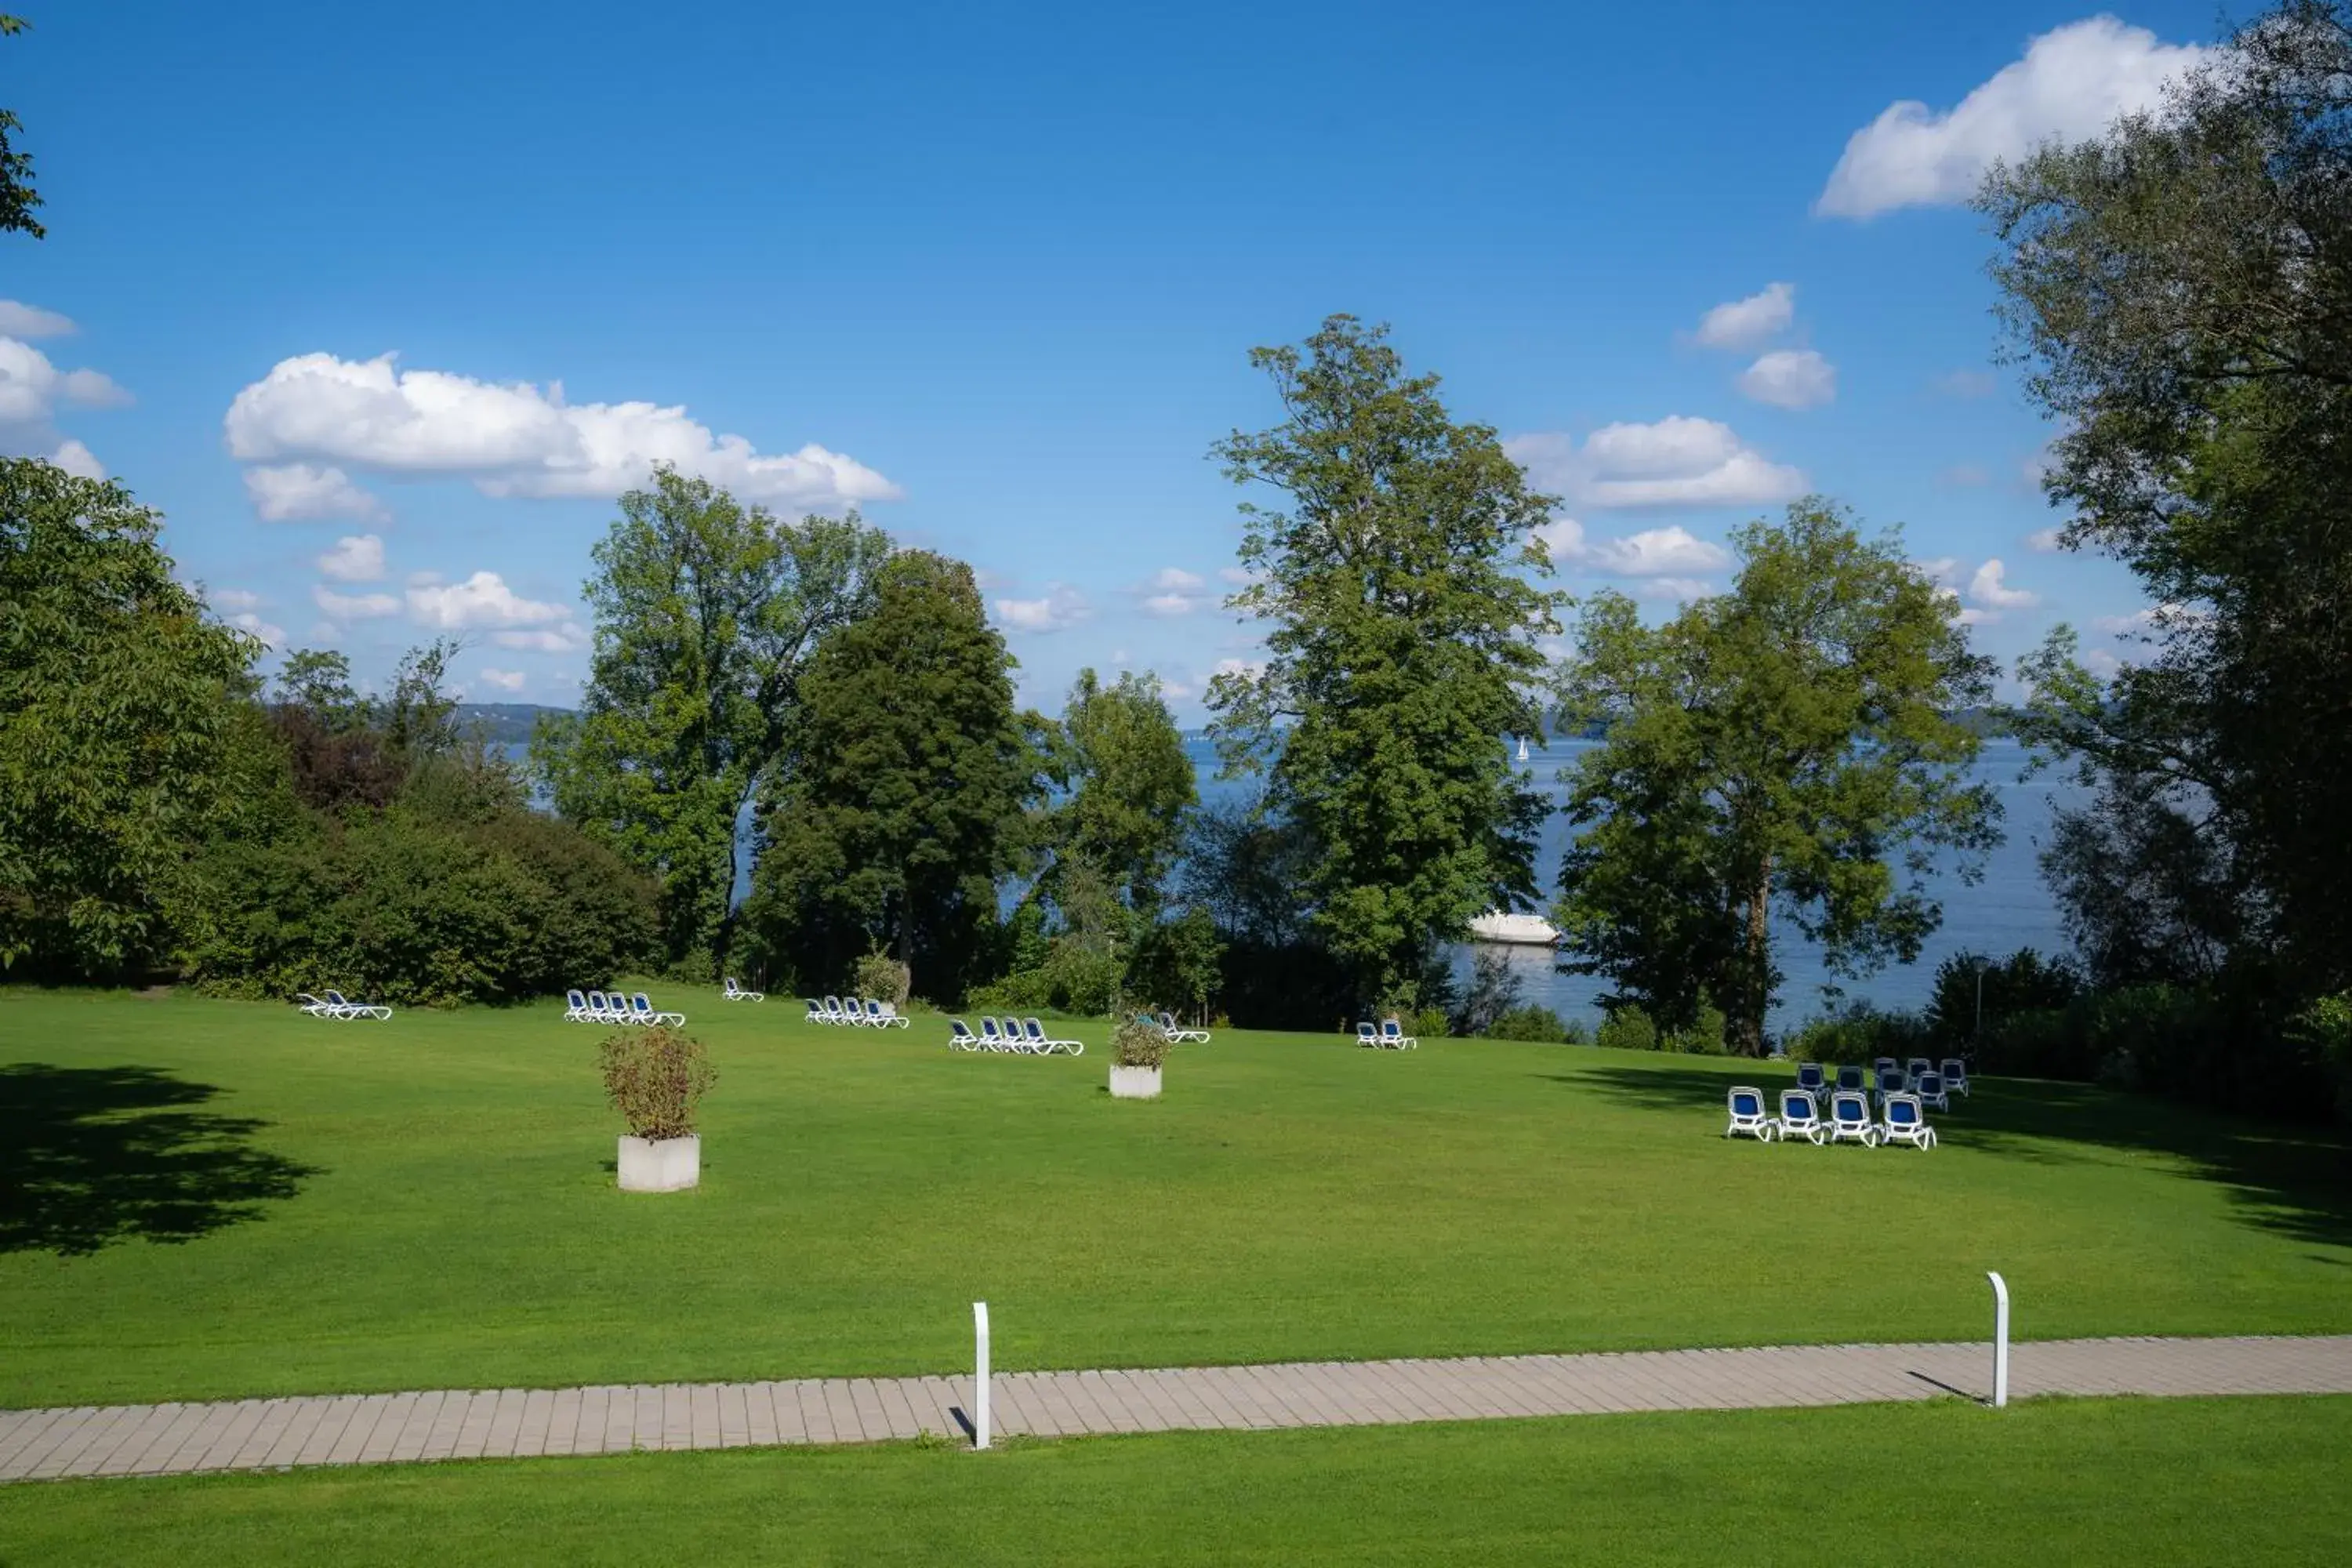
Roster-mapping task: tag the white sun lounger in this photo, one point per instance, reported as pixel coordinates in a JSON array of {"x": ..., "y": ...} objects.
[
  {"x": 1904, "y": 1122},
  {"x": 642, "y": 1010},
  {"x": 1394, "y": 1037},
  {"x": 1033, "y": 1030},
  {"x": 960, "y": 1038},
  {"x": 730, "y": 992},
  {"x": 1180, "y": 1033},
  {"x": 347, "y": 1010},
  {"x": 1850, "y": 1118},
  {"x": 1748, "y": 1115},
  {"x": 883, "y": 1015},
  {"x": 1800, "y": 1116}
]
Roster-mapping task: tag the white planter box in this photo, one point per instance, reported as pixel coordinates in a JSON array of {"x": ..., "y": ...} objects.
[
  {"x": 1134, "y": 1083},
  {"x": 660, "y": 1165}
]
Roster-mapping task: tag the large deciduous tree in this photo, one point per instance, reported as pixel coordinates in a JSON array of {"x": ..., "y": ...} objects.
[
  {"x": 909, "y": 787},
  {"x": 17, "y": 197},
  {"x": 707, "y": 612},
  {"x": 2180, "y": 288},
  {"x": 1400, "y": 647},
  {"x": 121, "y": 708},
  {"x": 1120, "y": 759},
  {"x": 1796, "y": 746}
]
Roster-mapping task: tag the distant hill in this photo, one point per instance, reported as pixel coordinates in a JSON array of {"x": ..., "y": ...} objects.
[{"x": 503, "y": 724}]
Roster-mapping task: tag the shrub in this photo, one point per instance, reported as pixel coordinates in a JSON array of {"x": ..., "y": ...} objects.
[
  {"x": 1134, "y": 1044},
  {"x": 655, "y": 1076},
  {"x": 1627, "y": 1028},
  {"x": 1427, "y": 1023},
  {"x": 1530, "y": 1022},
  {"x": 2025, "y": 982},
  {"x": 1860, "y": 1032},
  {"x": 882, "y": 977}
]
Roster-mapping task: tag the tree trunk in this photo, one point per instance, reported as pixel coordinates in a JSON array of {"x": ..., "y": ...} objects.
[{"x": 1748, "y": 1024}]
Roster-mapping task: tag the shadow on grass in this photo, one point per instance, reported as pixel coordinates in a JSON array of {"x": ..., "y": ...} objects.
[
  {"x": 96, "y": 1155},
  {"x": 2294, "y": 1181}
]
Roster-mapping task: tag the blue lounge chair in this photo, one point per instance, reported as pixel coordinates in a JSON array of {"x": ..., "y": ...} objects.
[
  {"x": 1904, "y": 1122},
  {"x": 1850, "y": 1118},
  {"x": 960, "y": 1038},
  {"x": 1034, "y": 1031},
  {"x": 1810, "y": 1078},
  {"x": 1393, "y": 1036},
  {"x": 1367, "y": 1036},
  {"x": 1800, "y": 1116},
  {"x": 1748, "y": 1115}
]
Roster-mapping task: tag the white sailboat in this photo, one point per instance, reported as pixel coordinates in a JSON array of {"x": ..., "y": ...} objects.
[{"x": 1523, "y": 748}]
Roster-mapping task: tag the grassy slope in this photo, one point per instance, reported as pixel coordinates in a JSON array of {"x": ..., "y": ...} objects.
[
  {"x": 1291, "y": 1196},
  {"x": 2140, "y": 1482}
]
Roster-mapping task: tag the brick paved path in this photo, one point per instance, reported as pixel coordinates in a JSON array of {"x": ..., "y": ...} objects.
[{"x": 257, "y": 1433}]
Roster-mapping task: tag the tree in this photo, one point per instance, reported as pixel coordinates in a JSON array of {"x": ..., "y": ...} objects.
[
  {"x": 706, "y": 614},
  {"x": 1795, "y": 743},
  {"x": 120, "y": 706},
  {"x": 1129, "y": 785},
  {"x": 906, "y": 795},
  {"x": 1402, "y": 649},
  {"x": 17, "y": 197},
  {"x": 2181, "y": 290}
]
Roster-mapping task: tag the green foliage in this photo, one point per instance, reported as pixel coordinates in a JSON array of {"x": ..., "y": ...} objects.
[
  {"x": 1789, "y": 747},
  {"x": 707, "y": 614},
  {"x": 906, "y": 800},
  {"x": 1178, "y": 961},
  {"x": 2179, "y": 289},
  {"x": 1121, "y": 758},
  {"x": 2326, "y": 1029},
  {"x": 1627, "y": 1028},
  {"x": 1135, "y": 1044},
  {"x": 882, "y": 977},
  {"x": 1427, "y": 1023},
  {"x": 655, "y": 1076},
  {"x": 2023, "y": 982},
  {"x": 1530, "y": 1021},
  {"x": 17, "y": 197},
  {"x": 123, "y": 739},
  {"x": 1402, "y": 644},
  {"x": 1861, "y": 1033}
]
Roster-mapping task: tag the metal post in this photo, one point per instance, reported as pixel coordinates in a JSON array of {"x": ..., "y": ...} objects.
[
  {"x": 1999, "y": 1340},
  {"x": 980, "y": 1376}
]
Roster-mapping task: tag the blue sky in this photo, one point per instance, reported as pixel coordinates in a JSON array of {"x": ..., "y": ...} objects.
[{"x": 993, "y": 274}]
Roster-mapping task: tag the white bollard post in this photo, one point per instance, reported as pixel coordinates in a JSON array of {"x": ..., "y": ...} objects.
[
  {"x": 980, "y": 1376},
  {"x": 1999, "y": 1340}
]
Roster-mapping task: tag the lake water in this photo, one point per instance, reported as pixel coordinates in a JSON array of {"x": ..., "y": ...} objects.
[{"x": 2010, "y": 908}]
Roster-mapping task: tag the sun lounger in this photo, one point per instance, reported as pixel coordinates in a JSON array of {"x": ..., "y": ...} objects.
[
  {"x": 730, "y": 991},
  {"x": 317, "y": 1007},
  {"x": 883, "y": 1015},
  {"x": 1955, "y": 1076},
  {"x": 1913, "y": 1068},
  {"x": 1931, "y": 1090},
  {"x": 1394, "y": 1038},
  {"x": 349, "y": 1010},
  {"x": 1904, "y": 1122},
  {"x": 1800, "y": 1116},
  {"x": 1180, "y": 1033},
  {"x": 1034, "y": 1031},
  {"x": 960, "y": 1038},
  {"x": 1850, "y": 1118},
  {"x": 575, "y": 1008},
  {"x": 991, "y": 1034},
  {"x": 1811, "y": 1078},
  {"x": 1748, "y": 1116},
  {"x": 642, "y": 1010},
  {"x": 1852, "y": 1077},
  {"x": 1367, "y": 1036}
]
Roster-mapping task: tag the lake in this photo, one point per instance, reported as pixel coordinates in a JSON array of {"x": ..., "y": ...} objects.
[{"x": 2010, "y": 908}]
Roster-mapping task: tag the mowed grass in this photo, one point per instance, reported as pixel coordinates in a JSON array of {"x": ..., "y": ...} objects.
[
  {"x": 454, "y": 1221},
  {"x": 2129, "y": 1481}
]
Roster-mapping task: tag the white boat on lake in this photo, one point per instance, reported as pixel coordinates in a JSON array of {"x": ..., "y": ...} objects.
[{"x": 1531, "y": 931}]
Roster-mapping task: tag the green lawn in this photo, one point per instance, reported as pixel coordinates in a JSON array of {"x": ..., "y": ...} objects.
[
  {"x": 2123, "y": 1482},
  {"x": 429, "y": 1202}
]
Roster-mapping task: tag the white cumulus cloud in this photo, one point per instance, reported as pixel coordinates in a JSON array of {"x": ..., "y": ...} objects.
[
  {"x": 301, "y": 492},
  {"x": 1676, "y": 590},
  {"x": 504, "y": 679},
  {"x": 272, "y": 636},
  {"x": 514, "y": 440},
  {"x": 233, "y": 599},
  {"x": 354, "y": 606},
  {"x": 565, "y": 638},
  {"x": 32, "y": 389},
  {"x": 356, "y": 558},
  {"x": 1744, "y": 323},
  {"x": 1176, "y": 579},
  {"x": 1790, "y": 378},
  {"x": 1988, "y": 589},
  {"x": 2071, "y": 83},
  {"x": 79, "y": 460},
  {"x": 2044, "y": 541},
  {"x": 1676, "y": 461},
  {"x": 1169, "y": 604},
  {"x": 1659, "y": 553},
  {"x": 482, "y": 600},
  {"x": 18, "y": 320},
  {"x": 1063, "y": 607}
]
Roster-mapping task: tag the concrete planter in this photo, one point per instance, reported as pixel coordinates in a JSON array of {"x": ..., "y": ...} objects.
[
  {"x": 1134, "y": 1083},
  {"x": 660, "y": 1165}
]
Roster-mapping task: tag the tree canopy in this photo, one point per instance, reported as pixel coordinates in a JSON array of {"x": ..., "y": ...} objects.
[
  {"x": 1793, "y": 746},
  {"x": 1402, "y": 645},
  {"x": 706, "y": 614},
  {"x": 2180, "y": 288},
  {"x": 908, "y": 791},
  {"x": 18, "y": 196},
  {"x": 120, "y": 702},
  {"x": 1120, "y": 759}
]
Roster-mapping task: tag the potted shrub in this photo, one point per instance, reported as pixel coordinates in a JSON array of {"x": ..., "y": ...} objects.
[
  {"x": 654, "y": 1077},
  {"x": 1137, "y": 1049}
]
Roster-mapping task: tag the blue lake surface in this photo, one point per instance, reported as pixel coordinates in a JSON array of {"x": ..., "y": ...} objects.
[{"x": 2010, "y": 907}]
